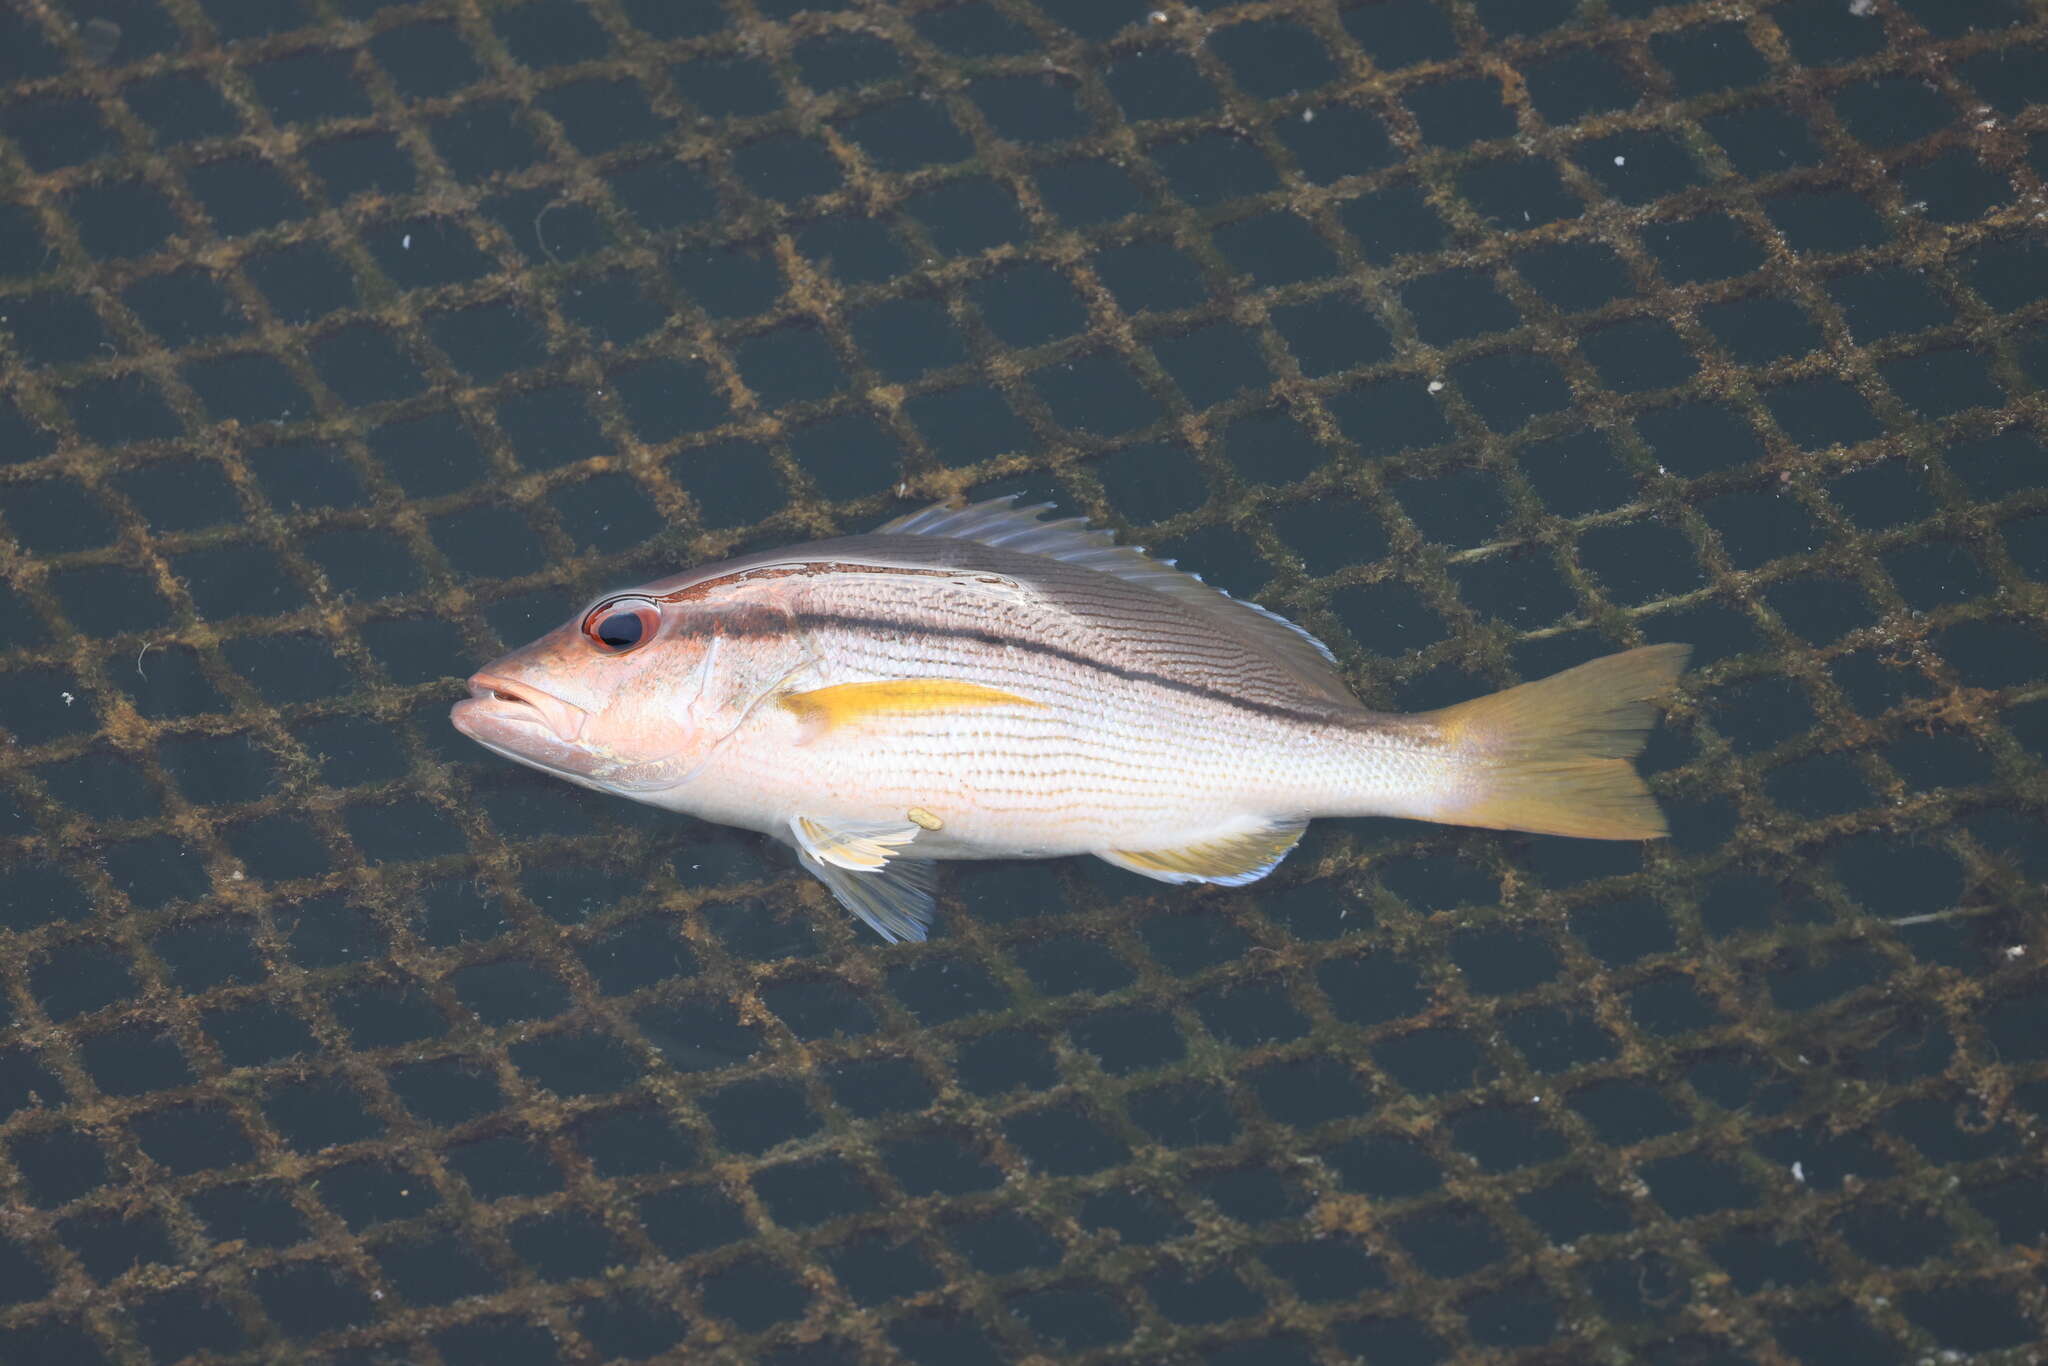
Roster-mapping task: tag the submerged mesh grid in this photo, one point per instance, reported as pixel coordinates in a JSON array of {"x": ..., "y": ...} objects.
[{"x": 344, "y": 344}]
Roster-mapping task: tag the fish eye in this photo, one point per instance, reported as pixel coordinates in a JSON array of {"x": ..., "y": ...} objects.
[{"x": 622, "y": 624}]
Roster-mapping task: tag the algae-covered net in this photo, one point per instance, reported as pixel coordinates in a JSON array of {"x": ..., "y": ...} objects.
[{"x": 344, "y": 344}]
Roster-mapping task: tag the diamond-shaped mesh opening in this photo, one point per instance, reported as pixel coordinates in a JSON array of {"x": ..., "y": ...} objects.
[{"x": 343, "y": 344}]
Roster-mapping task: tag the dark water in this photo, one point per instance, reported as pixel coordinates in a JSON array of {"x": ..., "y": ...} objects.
[{"x": 343, "y": 345}]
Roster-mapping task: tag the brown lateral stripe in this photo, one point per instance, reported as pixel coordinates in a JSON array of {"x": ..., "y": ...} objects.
[{"x": 761, "y": 623}]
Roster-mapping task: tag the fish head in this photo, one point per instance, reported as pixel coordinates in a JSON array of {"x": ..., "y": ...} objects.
[{"x": 622, "y": 698}]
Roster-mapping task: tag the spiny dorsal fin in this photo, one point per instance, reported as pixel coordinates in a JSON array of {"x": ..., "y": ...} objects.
[
  {"x": 1231, "y": 860},
  {"x": 1000, "y": 522}
]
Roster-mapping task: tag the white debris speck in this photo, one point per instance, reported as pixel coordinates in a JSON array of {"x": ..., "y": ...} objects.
[
  {"x": 1862, "y": 9},
  {"x": 405, "y": 242},
  {"x": 68, "y": 698},
  {"x": 1157, "y": 16},
  {"x": 1799, "y": 1172},
  {"x": 2015, "y": 952},
  {"x": 1621, "y": 161},
  {"x": 1308, "y": 116},
  {"x": 1535, "y": 1100},
  {"x": 1436, "y": 386},
  {"x": 238, "y": 876}
]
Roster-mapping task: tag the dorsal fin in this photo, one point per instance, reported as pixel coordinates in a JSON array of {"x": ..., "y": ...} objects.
[{"x": 1000, "y": 522}]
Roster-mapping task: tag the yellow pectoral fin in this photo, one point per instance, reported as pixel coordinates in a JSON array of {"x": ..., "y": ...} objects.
[{"x": 824, "y": 709}]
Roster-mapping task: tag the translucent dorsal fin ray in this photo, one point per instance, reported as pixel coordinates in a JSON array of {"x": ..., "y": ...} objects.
[
  {"x": 1000, "y": 522},
  {"x": 1229, "y": 860}
]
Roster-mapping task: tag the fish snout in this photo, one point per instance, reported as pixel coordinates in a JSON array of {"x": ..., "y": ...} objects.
[{"x": 494, "y": 698}]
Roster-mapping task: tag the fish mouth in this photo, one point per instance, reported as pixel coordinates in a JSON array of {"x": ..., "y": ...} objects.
[{"x": 495, "y": 700}]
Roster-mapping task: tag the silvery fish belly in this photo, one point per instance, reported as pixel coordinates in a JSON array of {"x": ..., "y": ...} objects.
[{"x": 979, "y": 683}]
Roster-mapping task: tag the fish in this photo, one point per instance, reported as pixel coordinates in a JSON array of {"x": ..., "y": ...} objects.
[{"x": 979, "y": 682}]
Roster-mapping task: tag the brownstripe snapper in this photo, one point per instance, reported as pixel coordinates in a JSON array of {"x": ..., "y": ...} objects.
[{"x": 977, "y": 682}]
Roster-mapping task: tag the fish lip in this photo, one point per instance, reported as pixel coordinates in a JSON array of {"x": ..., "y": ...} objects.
[{"x": 512, "y": 700}]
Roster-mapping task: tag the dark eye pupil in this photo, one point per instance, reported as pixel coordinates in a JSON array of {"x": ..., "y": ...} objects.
[{"x": 620, "y": 630}]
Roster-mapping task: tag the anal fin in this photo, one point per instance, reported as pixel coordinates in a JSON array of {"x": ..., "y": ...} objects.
[{"x": 1228, "y": 860}]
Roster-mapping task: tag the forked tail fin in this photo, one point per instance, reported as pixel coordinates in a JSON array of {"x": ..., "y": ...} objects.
[{"x": 1552, "y": 757}]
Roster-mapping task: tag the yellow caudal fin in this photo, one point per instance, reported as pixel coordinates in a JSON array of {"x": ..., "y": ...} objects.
[
  {"x": 824, "y": 709},
  {"x": 1552, "y": 757}
]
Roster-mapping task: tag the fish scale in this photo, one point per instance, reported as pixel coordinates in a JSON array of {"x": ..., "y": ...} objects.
[
  {"x": 979, "y": 683},
  {"x": 1122, "y": 729}
]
